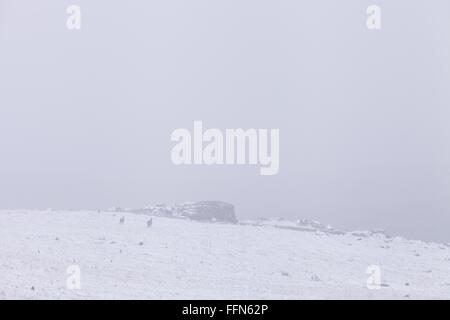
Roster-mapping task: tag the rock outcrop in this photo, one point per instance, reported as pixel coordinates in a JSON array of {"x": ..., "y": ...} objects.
[
  {"x": 208, "y": 211},
  {"x": 213, "y": 211}
]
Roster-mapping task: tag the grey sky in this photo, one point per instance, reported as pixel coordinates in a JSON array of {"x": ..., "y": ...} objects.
[{"x": 86, "y": 116}]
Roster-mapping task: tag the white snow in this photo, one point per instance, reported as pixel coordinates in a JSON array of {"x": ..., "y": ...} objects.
[{"x": 183, "y": 259}]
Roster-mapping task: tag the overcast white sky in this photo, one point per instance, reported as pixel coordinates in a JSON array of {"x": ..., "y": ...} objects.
[{"x": 86, "y": 116}]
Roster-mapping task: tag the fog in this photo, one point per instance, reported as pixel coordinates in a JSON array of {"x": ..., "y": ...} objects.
[{"x": 86, "y": 115}]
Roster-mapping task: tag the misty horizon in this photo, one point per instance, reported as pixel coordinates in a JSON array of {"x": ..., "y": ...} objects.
[{"x": 86, "y": 116}]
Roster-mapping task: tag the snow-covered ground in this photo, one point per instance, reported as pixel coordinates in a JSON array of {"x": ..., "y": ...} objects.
[{"x": 184, "y": 259}]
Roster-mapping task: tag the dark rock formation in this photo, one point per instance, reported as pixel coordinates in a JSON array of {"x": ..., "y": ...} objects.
[{"x": 209, "y": 211}]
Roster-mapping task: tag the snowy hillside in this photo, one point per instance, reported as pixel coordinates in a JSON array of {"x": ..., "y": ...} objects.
[{"x": 178, "y": 258}]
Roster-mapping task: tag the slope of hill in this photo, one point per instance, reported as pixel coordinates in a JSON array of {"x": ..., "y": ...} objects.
[{"x": 183, "y": 259}]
